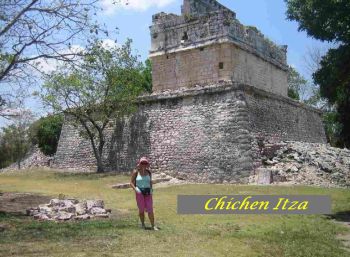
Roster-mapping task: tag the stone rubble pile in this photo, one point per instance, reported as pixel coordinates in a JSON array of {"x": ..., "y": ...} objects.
[
  {"x": 33, "y": 159},
  {"x": 69, "y": 209},
  {"x": 307, "y": 164}
]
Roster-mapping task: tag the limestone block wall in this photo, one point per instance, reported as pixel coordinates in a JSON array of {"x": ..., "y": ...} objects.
[
  {"x": 213, "y": 63},
  {"x": 206, "y": 134},
  {"x": 192, "y": 67},
  {"x": 196, "y": 7},
  {"x": 283, "y": 119},
  {"x": 200, "y": 137},
  {"x": 251, "y": 70},
  {"x": 73, "y": 151}
]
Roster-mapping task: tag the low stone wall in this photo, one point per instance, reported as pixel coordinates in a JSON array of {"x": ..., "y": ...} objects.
[{"x": 206, "y": 134}]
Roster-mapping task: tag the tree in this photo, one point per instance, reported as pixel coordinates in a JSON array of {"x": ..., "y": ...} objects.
[
  {"x": 147, "y": 76},
  {"x": 15, "y": 141},
  {"x": 329, "y": 20},
  {"x": 35, "y": 31},
  {"x": 101, "y": 89},
  {"x": 334, "y": 78},
  {"x": 326, "y": 20},
  {"x": 295, "y": 82}
]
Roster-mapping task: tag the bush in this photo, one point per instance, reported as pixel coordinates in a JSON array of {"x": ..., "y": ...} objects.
[{"x": 46, "y": 132}]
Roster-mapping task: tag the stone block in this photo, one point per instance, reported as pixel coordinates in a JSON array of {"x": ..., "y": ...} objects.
[{"x": 264, "y": 176}]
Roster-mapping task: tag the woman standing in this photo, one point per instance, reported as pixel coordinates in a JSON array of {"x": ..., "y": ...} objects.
[{"x": 141, "y": 182}]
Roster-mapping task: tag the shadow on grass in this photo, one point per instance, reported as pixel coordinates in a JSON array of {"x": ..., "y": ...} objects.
[
  {"x": 19, "y": 227},
  {"x": 4, "y": 214},
  {"x": 343, "y": 216}
]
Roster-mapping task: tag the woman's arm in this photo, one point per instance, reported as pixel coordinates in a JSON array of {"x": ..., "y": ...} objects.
[
  {"x": 133, "y": 180},
  {"x": 151, "y": 184}
]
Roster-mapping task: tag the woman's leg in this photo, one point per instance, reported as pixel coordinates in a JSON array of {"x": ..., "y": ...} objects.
[
  {"x": 149, "y": 209},
  {"x": 142, "y": 218},
  {"x": 151, "y": 218},
  {"x": 141, "y": 205}
]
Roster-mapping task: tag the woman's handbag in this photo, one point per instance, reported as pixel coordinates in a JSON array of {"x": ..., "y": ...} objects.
[{"x": 145, "y": 191}]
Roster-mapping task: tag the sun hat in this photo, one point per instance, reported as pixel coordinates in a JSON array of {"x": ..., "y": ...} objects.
[{"x": 143, "y": 160}]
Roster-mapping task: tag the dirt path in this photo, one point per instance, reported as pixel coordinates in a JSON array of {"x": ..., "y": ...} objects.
[
  {"x": 345, "y": 238},
  {"x": 17, "y": 203}
]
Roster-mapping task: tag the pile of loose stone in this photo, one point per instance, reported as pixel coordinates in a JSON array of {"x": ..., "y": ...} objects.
[
  {"x": 309, "y": 164},
  {"x": 33, "y": 159},
  {"x": 69, "y": 209}
]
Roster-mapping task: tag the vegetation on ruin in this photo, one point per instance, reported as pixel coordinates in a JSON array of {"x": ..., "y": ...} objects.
[
  {"x": 45, "y": 132},
  {"x": 17, "y": 139}
]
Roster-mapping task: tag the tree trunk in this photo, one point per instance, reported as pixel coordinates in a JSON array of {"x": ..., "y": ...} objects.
[{"x": 100, "y": 168}]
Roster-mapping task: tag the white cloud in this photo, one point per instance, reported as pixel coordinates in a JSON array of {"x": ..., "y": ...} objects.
[
  {"x": 137, "y": 5},
  {"x": 49, "y": 65},
  {"x": 109, "y": 44}
]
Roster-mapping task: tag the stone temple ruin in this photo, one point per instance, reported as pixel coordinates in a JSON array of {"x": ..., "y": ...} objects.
[{"x": 219, "y": 96}]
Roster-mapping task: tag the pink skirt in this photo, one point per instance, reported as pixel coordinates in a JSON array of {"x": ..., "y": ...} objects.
[{"x": 144, "y": 202}]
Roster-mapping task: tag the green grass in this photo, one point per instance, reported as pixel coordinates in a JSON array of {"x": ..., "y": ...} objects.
[{"x": 180, "y": 235}]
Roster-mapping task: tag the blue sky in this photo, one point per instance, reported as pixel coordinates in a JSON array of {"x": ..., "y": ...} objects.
[{"x": 133, "y": 21}]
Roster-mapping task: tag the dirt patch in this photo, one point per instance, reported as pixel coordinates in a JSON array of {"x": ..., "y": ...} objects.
[
  {"x": 18, "y": 203},
  {"x": 343, "y": 218},
  {"x": 345, "y": 238}
]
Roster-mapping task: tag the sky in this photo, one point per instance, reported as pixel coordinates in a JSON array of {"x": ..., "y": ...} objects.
[{"x": 133, "y": 18}]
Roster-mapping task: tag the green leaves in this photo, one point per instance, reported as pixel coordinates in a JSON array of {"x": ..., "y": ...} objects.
[
  {"x": 295, "y": 82},
  {"x": 48, "y": 133},
  {"x": 326, "y": 20},
  {"x": 334, "y": 80},
  {"x": 103, "y": 87},
  {"x": 329, "y": 20}
]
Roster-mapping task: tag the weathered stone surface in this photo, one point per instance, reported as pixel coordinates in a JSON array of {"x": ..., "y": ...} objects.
[
  {"x": 43, "y": 208},
  {"x": 94, "y": 203},
  {"x": 207, "y": 44},
  {"x": 81, "y": 208},
  {"x": 82, "y": 217},
  {"x": 309, "y": 164},
  {"x": 55, "y": 202},
  {"x": 68, "y": 209},
  {"x": 204, "y": 135},
  {"x": 33, "y": 159},
  {"x": 32, "y": 212},
  {"x": 97, "y": 210},
  {"x": 264, "y": 176},
  {"x": 41, "y": 216},
  {"x": 65, "y": 216}
]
